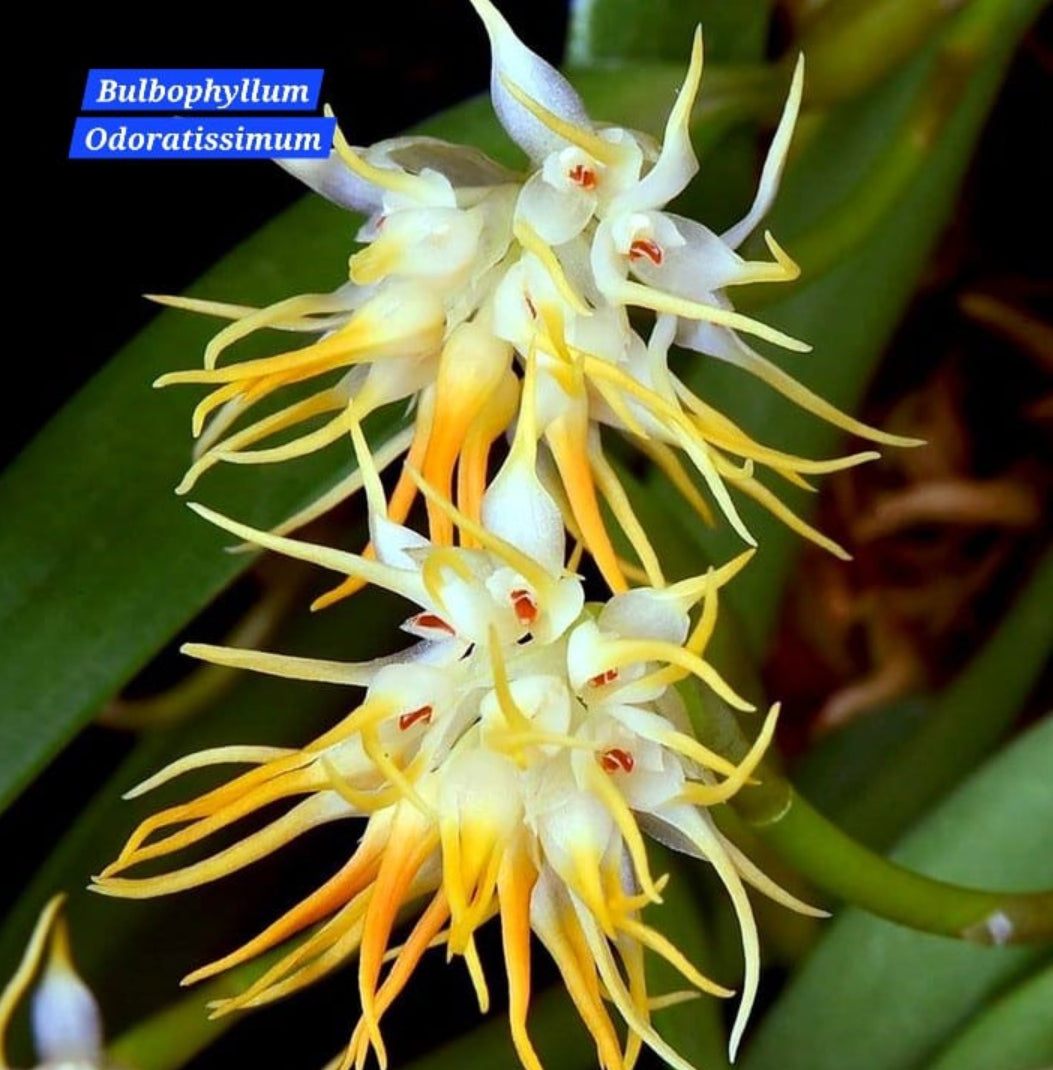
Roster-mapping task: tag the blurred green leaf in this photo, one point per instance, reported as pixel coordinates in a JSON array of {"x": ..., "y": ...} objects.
[
  {"x": 835, "y": 769},
  {"x": 877, "y": 997},
  {"x": 850, "y": 311},
  {"x": 172, "y": 1037},
  {"x": 891, "y": 29},
  {"x": 1015, "y": 1033},
  {"x": 602, "y": 31}
]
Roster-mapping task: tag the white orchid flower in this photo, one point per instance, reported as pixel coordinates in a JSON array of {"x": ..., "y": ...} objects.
[
  {"x": 505, "y": 764},
  {"x": 600, "y": 190},
  {"x": 438, "y": 227},
  {"x": 470, "y": 275}
]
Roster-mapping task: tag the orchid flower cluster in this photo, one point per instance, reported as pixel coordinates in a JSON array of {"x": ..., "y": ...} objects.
[{"x": 508, "y": 762}]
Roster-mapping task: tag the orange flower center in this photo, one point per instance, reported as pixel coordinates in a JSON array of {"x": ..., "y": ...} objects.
[
  {"x": 614, "y": 759},
  {"x": 525, "y": 606},
  {"x": 582, "y": 176},
  {"x": 421, "y": 716},
  {"x": 646, "y": 247}
]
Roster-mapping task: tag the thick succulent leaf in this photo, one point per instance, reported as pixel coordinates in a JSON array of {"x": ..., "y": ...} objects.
[
  {"x": 169, "y": 1039},
  {"x": 874, "y": 996},
  {"x": 892, "y": 30},
  {"x": 1015, "y": 1033},
  {"x": 602, "y": 31}
]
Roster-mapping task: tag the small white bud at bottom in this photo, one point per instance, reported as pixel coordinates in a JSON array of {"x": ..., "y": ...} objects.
[{"x": 67, "y": 1028}]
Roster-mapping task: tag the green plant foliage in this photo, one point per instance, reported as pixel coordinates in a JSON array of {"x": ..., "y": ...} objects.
[
  {"x": 1015, "y": 1033},
  {"x": 876, "y": 997},
  {"x": 605, "y": 31}
]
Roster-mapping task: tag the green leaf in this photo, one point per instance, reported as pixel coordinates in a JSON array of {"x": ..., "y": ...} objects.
[
  {"x": 103, "y": 563},
  {"x": 848, "y": 304},
  {"x": 602, "y": 31},
  {"x": 172, "y": 1037},
  {"x": 1015, "y": 1033},
  {"x": 831, "y": 773},
  {"x": 891, "y": 29},
  {"x": 877, "y": 997}
]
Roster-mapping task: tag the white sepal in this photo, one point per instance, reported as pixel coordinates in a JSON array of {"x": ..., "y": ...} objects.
[
  {"x": 518, "y": 509},
  {"x": 513, "y": 61},
  {"x": 332, "y": 179},
  {"x": 693, "y": 267},
  {"x": 644, "y": 613},
  {"x": 391, "y": 540},
  {"x": 677, "y": 163},
  {"x": 773, "y": 165},
  {"x": 557, "y": 212}
]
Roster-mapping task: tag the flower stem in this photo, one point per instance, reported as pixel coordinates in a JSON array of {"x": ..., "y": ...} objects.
[{"x": 842, "y": 866}]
